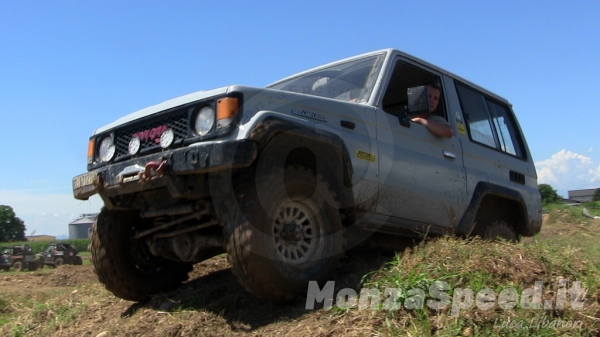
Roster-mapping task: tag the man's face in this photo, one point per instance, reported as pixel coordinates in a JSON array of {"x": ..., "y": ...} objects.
[{"x": 434, "y": 97}]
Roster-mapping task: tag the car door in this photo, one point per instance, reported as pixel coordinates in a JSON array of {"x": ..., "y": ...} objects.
[{"x": 422, "y": 178}]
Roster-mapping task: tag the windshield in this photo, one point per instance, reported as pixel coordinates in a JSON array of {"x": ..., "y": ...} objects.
[{"x": 350, "y": 81}]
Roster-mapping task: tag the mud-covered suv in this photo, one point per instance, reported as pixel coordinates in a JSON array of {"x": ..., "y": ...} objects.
[
  {"x": 58, "y": 253},
  {"x": 276, "y": 176},
  {"x": 19, "y": 258}
]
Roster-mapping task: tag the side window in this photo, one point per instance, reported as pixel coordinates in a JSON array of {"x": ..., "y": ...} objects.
[
  {"x": 489, "y": 122},
  {"x": 406, "y": 76}
]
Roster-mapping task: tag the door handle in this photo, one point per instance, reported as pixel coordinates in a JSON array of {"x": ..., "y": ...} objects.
[{"x": 449, "y": 154}]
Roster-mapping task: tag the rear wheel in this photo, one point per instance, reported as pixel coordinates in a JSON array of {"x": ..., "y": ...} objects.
[
  {"x": 291, "y": 233},
  {"x": 125, "y": 266},
  {"x": 77, "y": 261},
  {"x": 18, "y": 266},
  {"x": 58, "y": 262},
  {"x": 32, "y": 266}
]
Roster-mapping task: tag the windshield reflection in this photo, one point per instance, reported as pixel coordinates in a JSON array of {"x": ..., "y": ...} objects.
[{"x": 350, "y": 81}]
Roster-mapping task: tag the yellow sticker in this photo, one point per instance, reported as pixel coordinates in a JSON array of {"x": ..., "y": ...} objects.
[
  {"x": 366, "y": 156},
  {"x": 461, "y": 128}
]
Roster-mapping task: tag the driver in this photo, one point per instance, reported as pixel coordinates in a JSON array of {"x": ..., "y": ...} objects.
[{"x": 434, "y": 123}]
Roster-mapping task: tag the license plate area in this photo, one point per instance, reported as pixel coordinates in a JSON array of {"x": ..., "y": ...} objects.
[{"x": 84, "y": 180}]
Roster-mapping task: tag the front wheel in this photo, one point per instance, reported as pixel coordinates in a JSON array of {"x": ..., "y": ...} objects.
[
  {"x": 125, "y": 266},
  {"x": 285, "y": 233},
  {"x": 496, "y": 229}
]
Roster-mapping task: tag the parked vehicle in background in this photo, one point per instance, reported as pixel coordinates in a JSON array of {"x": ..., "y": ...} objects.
[
  {"x": 59, "y": 253},
  {"x": 19, "y": 258}
]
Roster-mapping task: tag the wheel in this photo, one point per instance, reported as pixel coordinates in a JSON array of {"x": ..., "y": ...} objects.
[
  {"x": 125, "y": 266},
  {"x": 496, "y": 229},
  {"x": 77, "y": 261},
  {"x": 285, "y": 233},
  {"x": 32, "y": 266},
  {"x": 18, "y": 266},
  {"x": 58, "y": 262}
]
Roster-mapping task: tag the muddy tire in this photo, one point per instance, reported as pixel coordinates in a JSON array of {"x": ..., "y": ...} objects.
[
  {"x": 58, "y": 262},
  {"x": 284, "y": 233},
  {"x": 125, "y": 266},
  {"x": 496, "y": 229},
  {"x": 18, "y": 266},
  {"x": 32, "y": 266},
  {"x": 77, "y": 261}
]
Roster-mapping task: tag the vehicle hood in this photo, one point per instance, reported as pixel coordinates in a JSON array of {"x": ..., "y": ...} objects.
[{"x": 172, "y": 103}]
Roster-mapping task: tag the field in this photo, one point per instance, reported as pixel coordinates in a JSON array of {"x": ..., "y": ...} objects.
[{"x": 68, "y": 301}]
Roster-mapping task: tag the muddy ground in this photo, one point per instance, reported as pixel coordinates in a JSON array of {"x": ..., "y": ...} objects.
[{"x": 210, "y": 303}]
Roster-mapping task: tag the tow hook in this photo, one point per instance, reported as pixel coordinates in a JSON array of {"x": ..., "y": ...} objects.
[{"x": 156, "y": 167}]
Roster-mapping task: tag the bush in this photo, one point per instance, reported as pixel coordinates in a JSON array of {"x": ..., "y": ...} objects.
[
  {"x": 549, "y": 195},
  {"x": 596, "y": 196}
]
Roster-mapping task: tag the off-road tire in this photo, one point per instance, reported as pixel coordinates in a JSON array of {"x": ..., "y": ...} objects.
[
  {"x": 117, "y": 259},
  {"x": 58, "y": 262},
  {"x": 496, "y": 229},
  {"x": 32, "y": 266},
  {"x": 77, "y": 261},
  {"x": 255, "y": 244},
  {"x": 18, "y": 266}
]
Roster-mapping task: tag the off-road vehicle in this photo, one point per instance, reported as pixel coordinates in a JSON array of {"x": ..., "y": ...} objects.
[
  {"x": 59, "y": 253},
  {"x": 276, "y": 176},
  {"x": 18, "y": 257}
]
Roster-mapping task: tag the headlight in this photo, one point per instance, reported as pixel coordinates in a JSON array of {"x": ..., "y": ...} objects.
[
  {"x": 166, "y": 138},
  {"x": 107, "y": 149},
  {"x": 134, "y": 145},
  {"x": 204, "y": 120}
]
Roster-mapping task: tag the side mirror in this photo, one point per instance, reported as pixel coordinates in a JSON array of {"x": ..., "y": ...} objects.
[
  {"x": 418, "y": 103},
  {"x": 418, "y": 100}
]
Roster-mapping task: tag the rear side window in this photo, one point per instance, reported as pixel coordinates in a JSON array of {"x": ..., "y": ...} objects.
[{"x": 489, "y": 122}]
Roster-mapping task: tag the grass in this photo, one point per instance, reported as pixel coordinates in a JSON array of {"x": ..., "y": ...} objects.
[
  {"x": 403, "y": 291},
  {"x": 476, "y": 265},
  {"x": 566, "y": 249}
]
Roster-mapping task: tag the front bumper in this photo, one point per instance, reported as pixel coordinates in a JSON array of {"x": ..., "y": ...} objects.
[{"x": 189, "y": 160}]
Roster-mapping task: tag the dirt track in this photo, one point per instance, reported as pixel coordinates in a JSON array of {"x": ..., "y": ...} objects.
[{"x": 210, "y": 303}]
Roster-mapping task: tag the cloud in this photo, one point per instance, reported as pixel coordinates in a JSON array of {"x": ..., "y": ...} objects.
[
  {"x": 48, "y": 213},
  {"x": 566, "y": 170}
]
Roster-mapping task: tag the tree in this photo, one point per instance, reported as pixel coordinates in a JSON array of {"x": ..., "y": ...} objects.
[
  {"x": 549, "y": 195},
  {"x": 596, "y": 196},
  {"x": 11, "y": 227}
]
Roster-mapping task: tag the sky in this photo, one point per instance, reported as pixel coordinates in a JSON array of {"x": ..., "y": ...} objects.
[{"x": 69, "y": 67}]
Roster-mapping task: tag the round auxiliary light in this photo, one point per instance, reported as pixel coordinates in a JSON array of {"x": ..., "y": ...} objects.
[
  {"x": 166, "y": 138},
  {"x": 106, "y": 151},
  {"x": 204, "y": 120},
  {"x": 134, "y": 145}
]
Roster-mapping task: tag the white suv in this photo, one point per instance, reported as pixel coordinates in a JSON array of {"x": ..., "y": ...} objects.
[{"x": 275, "y": 176}]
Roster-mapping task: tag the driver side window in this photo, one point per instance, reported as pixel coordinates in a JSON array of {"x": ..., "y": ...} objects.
[{"x": 405, "y": 76}]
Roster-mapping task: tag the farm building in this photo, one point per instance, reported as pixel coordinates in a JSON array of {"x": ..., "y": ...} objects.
[
  {"x": 82, "y": 227},
  {"x": 582, "y": 195}
]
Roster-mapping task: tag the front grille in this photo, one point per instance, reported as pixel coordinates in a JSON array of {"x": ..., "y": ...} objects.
[{"x": 178, "y": 123}]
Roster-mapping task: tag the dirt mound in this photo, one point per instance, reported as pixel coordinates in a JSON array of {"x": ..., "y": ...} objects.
[{"x": 63, "y": 276}]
